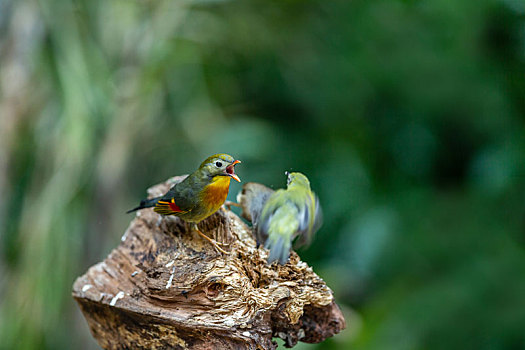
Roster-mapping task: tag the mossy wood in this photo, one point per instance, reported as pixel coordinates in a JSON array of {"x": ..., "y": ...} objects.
[{"x": 164, "y": 287}]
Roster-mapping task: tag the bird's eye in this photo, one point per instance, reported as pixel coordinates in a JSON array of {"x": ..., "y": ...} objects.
[{"x": 218, "y": 164}]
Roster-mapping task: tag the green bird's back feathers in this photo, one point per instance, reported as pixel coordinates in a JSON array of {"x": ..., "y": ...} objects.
[{"x": 280, "y": 227}]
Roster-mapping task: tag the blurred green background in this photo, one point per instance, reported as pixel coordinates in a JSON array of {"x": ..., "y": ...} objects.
[{"x": 408, "y": 117}]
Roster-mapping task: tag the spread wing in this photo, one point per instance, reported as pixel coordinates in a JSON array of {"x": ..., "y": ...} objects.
[
  {"x": 252, "y": 199},
  {"x": 311, "y": 218}
]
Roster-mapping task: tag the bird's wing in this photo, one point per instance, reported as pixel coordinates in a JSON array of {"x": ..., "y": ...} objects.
[
  {"x": 310, "y": 219},
  {"x": 252, "y": 198},
  {"x": 175, "y": 201},
  {"x": 265, "y": 217}
]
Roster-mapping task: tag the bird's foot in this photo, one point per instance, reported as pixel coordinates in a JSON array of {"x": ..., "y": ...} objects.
[
  {"x": 229, "y": 204},
  {"x": 159, "y": 221},
  {"x": 215, "y": 244}
]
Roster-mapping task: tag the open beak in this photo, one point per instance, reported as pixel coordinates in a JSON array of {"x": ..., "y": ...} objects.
[{"x": 230, "y": 170}]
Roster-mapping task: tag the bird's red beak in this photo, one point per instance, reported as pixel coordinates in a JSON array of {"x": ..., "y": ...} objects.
[{"x": 230, "y": 170}]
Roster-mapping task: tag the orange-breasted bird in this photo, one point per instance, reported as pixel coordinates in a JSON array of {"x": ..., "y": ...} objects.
[
  {"x": 282, "y": 216},
  {"x": 199, "y": 195}
]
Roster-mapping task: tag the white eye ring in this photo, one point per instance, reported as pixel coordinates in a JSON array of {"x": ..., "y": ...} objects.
[{"x": 218, "y": 164}]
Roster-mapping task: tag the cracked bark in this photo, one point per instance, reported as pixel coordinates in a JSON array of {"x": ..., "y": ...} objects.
[{"x": 164, "y": 287}]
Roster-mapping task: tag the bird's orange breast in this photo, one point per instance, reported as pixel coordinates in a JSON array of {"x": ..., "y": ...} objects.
[{"x": 216, "y": 192}]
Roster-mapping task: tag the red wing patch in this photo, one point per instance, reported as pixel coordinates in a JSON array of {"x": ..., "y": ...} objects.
[{"x": 168, "y": 208}]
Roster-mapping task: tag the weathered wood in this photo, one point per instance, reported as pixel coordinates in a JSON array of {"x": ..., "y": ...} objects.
[{"x": 164, "y": 287}]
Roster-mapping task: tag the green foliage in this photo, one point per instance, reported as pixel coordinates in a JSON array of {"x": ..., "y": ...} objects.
[{"x": 407, "y": 117}]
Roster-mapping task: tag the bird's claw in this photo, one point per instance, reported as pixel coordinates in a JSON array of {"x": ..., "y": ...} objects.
[
  {"x": 229, "y": 204},
  {"x": 216, "y": 246},
  {"x": 222, "y": 244},
  {"x": 212, "y": 241}
]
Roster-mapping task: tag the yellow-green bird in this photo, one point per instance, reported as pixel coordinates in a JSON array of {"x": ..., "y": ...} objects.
[
  {"x": 282, "y": 216},
  {"x": 199, "y": 195}
]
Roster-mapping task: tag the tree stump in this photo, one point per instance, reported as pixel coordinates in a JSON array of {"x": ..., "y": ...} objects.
[{"x": 164, "y": 287}]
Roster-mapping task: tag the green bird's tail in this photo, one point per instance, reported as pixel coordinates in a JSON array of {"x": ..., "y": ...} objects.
[
  {"x": 279, "y": 247},
  {"x": 145, "y": 203}
]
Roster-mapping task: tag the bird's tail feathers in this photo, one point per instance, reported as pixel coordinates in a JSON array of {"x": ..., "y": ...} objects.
[
  {"x": 145, "y": 203},
  {"x": 279, "y": 247}
]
